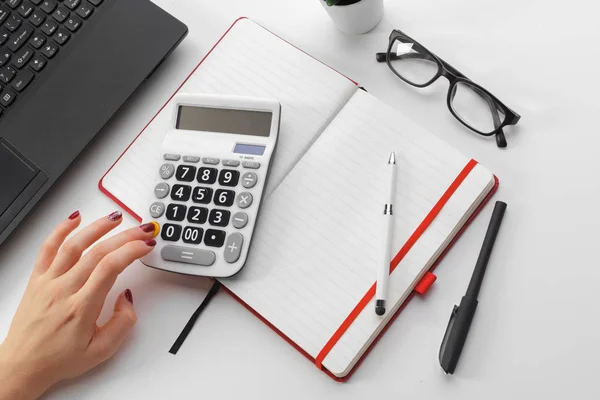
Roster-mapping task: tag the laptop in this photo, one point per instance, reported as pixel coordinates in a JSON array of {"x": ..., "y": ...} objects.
[{"x": 66, "y": 67}]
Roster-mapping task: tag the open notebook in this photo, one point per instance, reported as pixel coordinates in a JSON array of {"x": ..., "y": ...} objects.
[{"x": 311, "y": 270}]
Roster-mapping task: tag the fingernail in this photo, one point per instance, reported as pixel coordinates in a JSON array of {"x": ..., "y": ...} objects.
[
  {"x": 115, "y": 216},
  {"x": 150, "y": 242},
  {"x": 129, "y": 296},
  {"x": 74, "y": 215},
  {"x": 149, "y": 227}
]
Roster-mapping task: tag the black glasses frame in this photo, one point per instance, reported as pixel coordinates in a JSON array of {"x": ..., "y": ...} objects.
[{"x": 454, "y": 77}]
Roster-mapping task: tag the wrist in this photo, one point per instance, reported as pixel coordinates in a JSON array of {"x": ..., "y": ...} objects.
[{"x": 18, "y": 383}]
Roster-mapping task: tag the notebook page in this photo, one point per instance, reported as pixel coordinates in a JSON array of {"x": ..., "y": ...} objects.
[
  {"x": 318, "y": 242},
  {"x": 249, "y": 61}
]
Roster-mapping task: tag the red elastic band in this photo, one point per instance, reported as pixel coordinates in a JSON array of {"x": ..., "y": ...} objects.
[{"x": 403, "y": 251}]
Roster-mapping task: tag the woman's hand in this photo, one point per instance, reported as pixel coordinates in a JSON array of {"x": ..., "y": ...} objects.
[{"x": 54, "y": 335}]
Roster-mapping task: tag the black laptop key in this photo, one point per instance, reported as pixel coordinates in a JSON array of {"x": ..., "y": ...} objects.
[
  {"x": 22, "y": 57},
  {"x": 13, "y": 23},
  {"x": 48, "y": 6},
  {"x": 37, "y": 18},
  {"x": 3, "y": 13},
  {"x": 61, "y": 14},
  {"x": 49, "y": 27},
  {"x": 3, "y": 37},
  {"x": 72, "y": 4},
  {"x": 7, "y": 97},
  {"x": 36, "y": 2},
  {"x": 96, "y": 2},
  {"x": 26, "y": 9},
  {"x": 85, "y": 10},
  {"x": 61, "y": 36},
  {"x": 49, "y": 50},
  {"x": 38, "y": 63},
  {"x": 73, "y": 24},
  {"x": 6, "y": 74},
  {"x": 13, "y": 3},
  {"x": 20, "y": 37},
  {"x": 4, "y": 57},
  {"x": 37, "y": 41},
  {"x": 22, "y": 79}
]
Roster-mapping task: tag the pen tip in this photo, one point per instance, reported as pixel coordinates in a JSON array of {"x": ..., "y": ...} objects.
[{"x": 392, "y": 158}]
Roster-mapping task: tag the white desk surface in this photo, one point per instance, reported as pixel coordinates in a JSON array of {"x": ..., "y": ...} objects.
[{"x": 537, "y": 327}]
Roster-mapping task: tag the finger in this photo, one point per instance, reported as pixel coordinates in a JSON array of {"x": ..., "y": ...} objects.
[
  {"x": 80, "y": 273},
  {"x": 71, "y": 251},
  {"x": 54, "y": 241},
  {"x": 103, "y": 277},
  {"x": 110, "y": 336}
]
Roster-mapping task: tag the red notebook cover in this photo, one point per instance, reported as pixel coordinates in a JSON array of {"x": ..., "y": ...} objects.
[{"x": 421, "y": 287}]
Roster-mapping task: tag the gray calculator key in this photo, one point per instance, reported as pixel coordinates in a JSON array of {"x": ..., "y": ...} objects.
[
  {"x": 210, "y": 160},
  {"x": 233, "y": 247},
  {"x": 240, "y": 220},
  {"x": 192, "y": 159},
  {"x": 251, "y": 164},
  {"x": 161, "y": 190},
  {"x": 188, "y": 255},
  {"x": 167, "y": 171},
  {"x": 157, "y": 209},
  {"x": 249, "y": 180},
  {"x": 244, "y": 200},
  {"x": 231, "y": 163},
  {"x": 171, "y": 157}
]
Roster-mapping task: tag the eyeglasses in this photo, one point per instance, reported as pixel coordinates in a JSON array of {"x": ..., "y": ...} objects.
[{"x": 471, "y": 104}]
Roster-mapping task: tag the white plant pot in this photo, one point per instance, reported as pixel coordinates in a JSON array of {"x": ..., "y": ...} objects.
[{"x": 357, "y": 18}]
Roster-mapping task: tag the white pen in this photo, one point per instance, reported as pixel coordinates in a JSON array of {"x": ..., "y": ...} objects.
[{"x": 383, "y": 273}]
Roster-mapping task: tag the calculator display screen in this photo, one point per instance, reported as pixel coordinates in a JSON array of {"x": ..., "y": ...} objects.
[{"x": 241, "y": 122}]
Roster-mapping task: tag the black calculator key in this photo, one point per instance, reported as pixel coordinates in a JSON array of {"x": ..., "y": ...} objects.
[
  {"x": 192, "y": 234},
  {"x": 219, "y": 217},
  {"x": 22, "y": 57},
  {"x": 229, "y": 177},
  {"x": 22, "y": 80},
  {"x": 197, "y": 215},
  {"x": 202, "y": 195},
  {"x": 73, "y": 24},
  {"x": 49, "y": 50},
  {"x": 37, "y": 41},
  {"x": 185, "y": 173},
  {"x": 4, "y": 57},
  {"x": 26, "y": 9},
  {"x": 48, "y": 6},
  {"x": 214, "y": 238},
  {"x": 207, "y": 175},
  {"x": 61, "y": 36},
  {"x": 38, "y": 63},
  {"x": 170, "y": 232},
  {"x": 37, "y": 18},
  {"x": 224, "y": 197},
  {"x": 7, "y": 97},
  {"x": 176, "y": 212},
  {"x": 7, "y": 74},
  {"x": 181, "y": 192},
  {"x": 49, "y": 27},
  {"x": 13, "y": 3},
  {"x": 72, "y": 4},
  {"x": 85, "y": 10},
  {"x": 20, "y": 37},
  {"x": 13, "y": 23}
]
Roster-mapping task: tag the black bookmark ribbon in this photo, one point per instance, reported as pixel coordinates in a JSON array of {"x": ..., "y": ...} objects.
[{"x": 190, "y": 324}]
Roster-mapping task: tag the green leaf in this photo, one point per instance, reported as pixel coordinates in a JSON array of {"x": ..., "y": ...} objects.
[{"x": 332, "y": 2}]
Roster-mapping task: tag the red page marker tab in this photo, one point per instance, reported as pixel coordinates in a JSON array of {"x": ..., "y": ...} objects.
[{"x": 425, "y": 283}]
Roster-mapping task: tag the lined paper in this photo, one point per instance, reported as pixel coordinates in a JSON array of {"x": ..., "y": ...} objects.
[
  {"x": 318, "y": 242},
  {"x": 249, "y": 61}
]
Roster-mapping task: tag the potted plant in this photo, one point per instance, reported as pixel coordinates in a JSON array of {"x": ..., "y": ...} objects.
[{"x": 354, "y": 16}]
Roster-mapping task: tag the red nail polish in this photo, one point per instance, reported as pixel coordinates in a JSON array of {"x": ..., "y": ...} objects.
[
  {"x": 129, "y": 296},
  {"x": 74, "y": 215},
  {"x": 150, "y": 242},
  {"x": 147, "y": 227},
  {"x": 115, "y": 216}
]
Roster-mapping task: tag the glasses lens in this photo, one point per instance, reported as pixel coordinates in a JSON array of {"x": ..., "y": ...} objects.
[
  {"x": 476, "y": 108},
  {"x": 412, "y": 62}
]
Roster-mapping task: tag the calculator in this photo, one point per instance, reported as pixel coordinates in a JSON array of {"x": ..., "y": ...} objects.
[{"x": 214, "y": 166}]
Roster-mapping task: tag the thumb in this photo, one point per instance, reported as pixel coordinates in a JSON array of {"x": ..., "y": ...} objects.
[{"x": 111, "y": 335}]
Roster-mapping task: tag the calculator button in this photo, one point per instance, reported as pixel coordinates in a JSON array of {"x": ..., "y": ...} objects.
[
  {"x": 240, "y": 220},
  {"x": 197, "y": 215},
  {"x": 249, "y": 180},
  {"x": 185, "y": 173},
  {"x": 207, "y": 175},
  {"x": 202, "y": 195},
  {"x": 171, "y": 157},
  {"x": 181, "y": 192},
  {"x": 192, "y": 159},
  {"x": 157, "y": 209},
  {"x": 229, "y": 177},
  {"x": 214, "y": 238},
  {"x": 167, "y": 171},
  {"x": 176, "y": 212},
  {"x": 231, "y": 163},
  {"x": 251, "y": 164},
  {"x": 224, "y": 197},
  {"x": 233, "y": 247},
  {"x": 161, "y": 190},
  {"x": 244, "y": 200},
  {"x": 170, "y": 232},
  {"x": 210, "y": 160},
  {"x": 188, "y": 255},
  {"x": 219, "y": 217},
  {"x": 192, "y": 235}
]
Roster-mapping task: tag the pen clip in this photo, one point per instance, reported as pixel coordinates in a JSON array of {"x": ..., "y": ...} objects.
[{"x": 446, "y": 337}]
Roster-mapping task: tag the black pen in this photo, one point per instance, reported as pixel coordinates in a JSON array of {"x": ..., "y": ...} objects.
[{"x": 460, "y": 320}]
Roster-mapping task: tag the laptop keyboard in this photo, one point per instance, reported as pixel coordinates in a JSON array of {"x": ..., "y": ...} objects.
[{"x": 32, "y": 32}]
